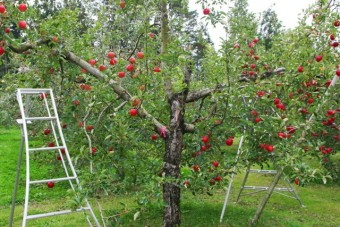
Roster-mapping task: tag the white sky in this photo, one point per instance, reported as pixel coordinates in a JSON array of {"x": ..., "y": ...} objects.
[{"x": 287, "y": 11}]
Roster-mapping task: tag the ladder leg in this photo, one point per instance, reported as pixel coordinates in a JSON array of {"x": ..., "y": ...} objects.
[
  {"x": 27, "y": 188},
  {"x": 10, "y": 222},
  {"x": 243, "y": 183},
  {"x": 295, "y": 194}
]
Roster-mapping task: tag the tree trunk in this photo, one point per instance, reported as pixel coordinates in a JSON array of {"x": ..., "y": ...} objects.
[
  {"x": 172, "y": 161},
  {"x": 266, "y": 197}
]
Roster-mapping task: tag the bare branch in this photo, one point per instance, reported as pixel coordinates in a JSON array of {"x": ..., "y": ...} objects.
[{"x": 194, "y": 96}]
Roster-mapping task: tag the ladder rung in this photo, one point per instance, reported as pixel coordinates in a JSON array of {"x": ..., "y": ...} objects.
[
  {"x": 266, "y": 188},
  {"x": 262, "y": 171},
  {"x": 54, "y": 180},
  {"x": 40, "y": 118},
  {"x": 34, "y": 216},
  {"x": 27, "y": 91},
  {"x": 46, "y": 148}
]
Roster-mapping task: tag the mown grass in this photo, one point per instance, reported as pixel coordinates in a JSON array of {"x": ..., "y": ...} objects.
[{"x": 322, "y": 201}]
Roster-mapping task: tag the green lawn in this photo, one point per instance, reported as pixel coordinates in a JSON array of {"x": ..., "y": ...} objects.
[{"x": 322, "y": 201}]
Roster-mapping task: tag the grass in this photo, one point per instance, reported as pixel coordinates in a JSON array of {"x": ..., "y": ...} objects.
[{"x": 322, "y": 201}]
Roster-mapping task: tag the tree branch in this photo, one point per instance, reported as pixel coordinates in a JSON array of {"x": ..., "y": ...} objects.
[{"x": 247, "y": 78}]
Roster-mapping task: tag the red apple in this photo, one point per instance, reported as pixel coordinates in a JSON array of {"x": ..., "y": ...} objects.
[
  {"x": 58, "y": 157},
  {"x": 134, "y": 102},
  {"x": 130, "y": 68},
  {"x": 2, "y": 50},
  {"x": 43, "y": 95},
  {"x": 215, "y": 163},
  {"x": 92, "y": 62},
  {"x": 337, "y": 23},
  {"x": 87, "y": 87},
  {"x": 296, "y": 181},
  {"x": 121, "y": 74},
  {"x": 256, "y": 57},
  {"x": 254, "y": 112},
  {"x": 203, "y": 148},
  {"x": 206, "y": 11},
  {"x": 270, "y": 148},
  {"x": 318, "y": 58},
  {"x": 22, "y": 7},
  {"x": 251, "y": 73},
  {"x": 140, "y": 55},
  {"x": 253, "y": 66},
  {"x": 54, "y": 39},
  {"x": 260, "y": 93},
  {"x": 113, "y": 61},
  {"x": 310, "y": 101},
  {"x": 277, "y": 101},
  {"x": 300, "y": 69},
  {"x": 218, "y": 178},
  {"x": 62, "y": 150},
  {"x": 229, "y": 141},
  {"x": 50, "y": 144},
  {"x": 205, "y": 139},
  {"x": 236, "y": 45},
  {"x": 93, "y": 150},
  {"x": 7, "y": 30},
  {"x": 156, "y": 69},
  {"x": 151, "y": 35},
  {"x": 76, "y": 102},
  {"x": 50, "y": 184},
  {"x": 47, "y": 131},
  {"x": 257, "y": 120},
  {"x": 153, "y": 136},
  {"x": 256, "y": 40},
  {"x": 132, "y": 60},
  {"x": 111, "y": 55},
  {"x": 335, "y": 44},
  {"x": 331, "y": 37},
  {"x": 22, "y": 24},
  {"x": 89, "y": 128},
  {"x": 83, "y": 70},
  {"x": 102, "y": 67},
  {"x": 186, "y": 183},
  {"x": 196, "y": 168},
  {"x": 290, "y": 129},
  {"x": 133, "y": 112},
  {"x": 2, "y": 9}
]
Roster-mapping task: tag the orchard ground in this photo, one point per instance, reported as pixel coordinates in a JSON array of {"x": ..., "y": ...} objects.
[{"x": 322, "y": 201}]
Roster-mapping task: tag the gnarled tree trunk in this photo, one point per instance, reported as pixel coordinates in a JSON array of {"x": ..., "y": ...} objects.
[{"x": 172, "y": 161}]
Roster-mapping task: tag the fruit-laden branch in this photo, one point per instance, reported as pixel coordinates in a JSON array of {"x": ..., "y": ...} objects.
[
  {"x": 247, "y": 78},
  {"x": 120, "y": 91}
]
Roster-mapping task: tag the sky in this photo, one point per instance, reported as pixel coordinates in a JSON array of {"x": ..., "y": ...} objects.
[{"x": 287, "y": 11}]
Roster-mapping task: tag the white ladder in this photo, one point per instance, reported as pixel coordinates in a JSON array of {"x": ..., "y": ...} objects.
[
  {"x": 47, "y": 107},
  {"x": 289, "y": 188}
]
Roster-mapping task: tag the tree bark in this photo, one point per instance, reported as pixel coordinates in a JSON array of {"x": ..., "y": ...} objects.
[
  {"x": 266, "y": 197},
  {"x": 172, "y": 161}
]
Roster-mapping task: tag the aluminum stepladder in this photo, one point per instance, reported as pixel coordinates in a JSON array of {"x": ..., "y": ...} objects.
[
  {"x": 47, "y": 107},
  {"x": 258, "y": 188},
  {"x": 289, "y": 188}
]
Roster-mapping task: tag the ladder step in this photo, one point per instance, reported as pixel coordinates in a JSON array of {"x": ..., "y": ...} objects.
[
  {"x": 40, "y": 118},
  {"x": 27, "y": 91},
  {"x": 46, "y": 148},
  {"x": 35, "y": 216},
  {"x": 262, "y": 171},
  {"x": 54, "y": 180},
  {"x": 266, "y": 188}
]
